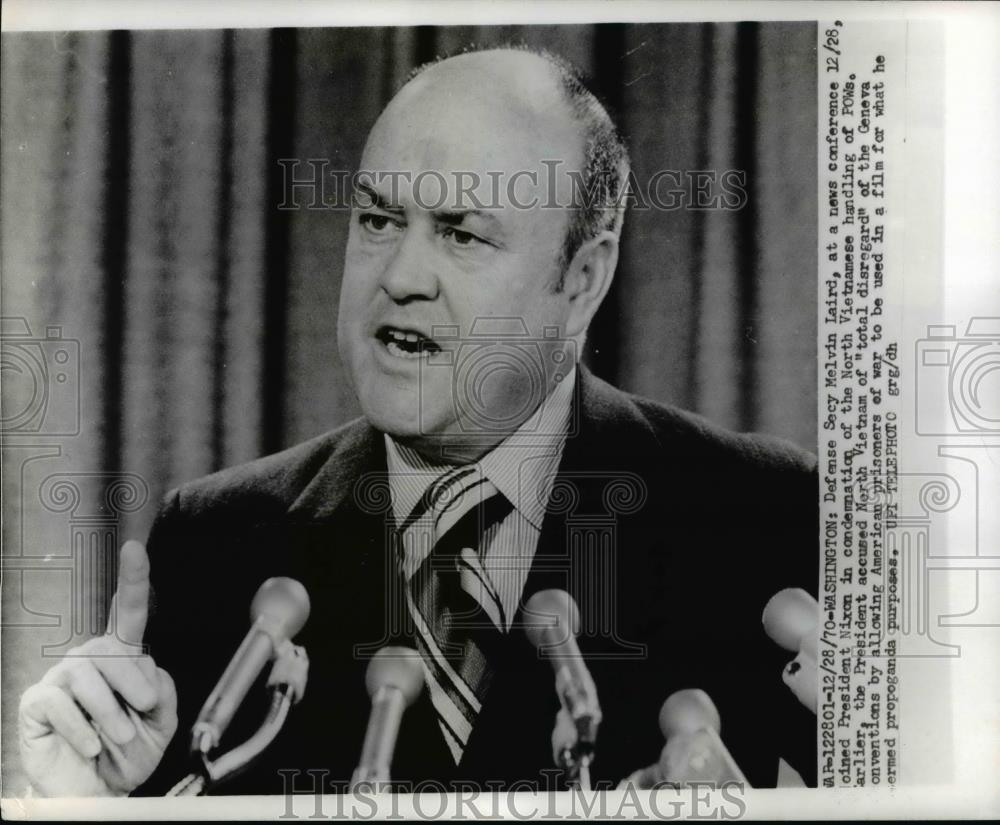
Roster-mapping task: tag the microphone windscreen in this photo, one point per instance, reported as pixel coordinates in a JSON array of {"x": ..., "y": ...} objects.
[
  {"x": 688, "y": 711},
  {"x": 551, "y": 617},
  {"x": 284, "y": 602},
  {"x": 790, "y": 616},
  {"x": 396, "y": 667}
]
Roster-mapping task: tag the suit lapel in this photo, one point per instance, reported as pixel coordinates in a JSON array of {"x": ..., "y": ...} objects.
[
  {"x": 338, "y": 523},
  {"x": 359, "y": 453},
  {"x": 600, "y": 506}
]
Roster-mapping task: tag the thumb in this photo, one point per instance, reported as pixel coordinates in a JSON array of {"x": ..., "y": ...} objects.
[
  {"x": 164, "y": 715},
  {"x": 130, "y": 605}
]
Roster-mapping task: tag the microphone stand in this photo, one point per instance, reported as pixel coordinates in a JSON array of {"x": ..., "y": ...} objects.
[
  {"x": 288, "y": 682},
  {"x": 574, "y": 752},
  {"x": 578, "y": 770}
]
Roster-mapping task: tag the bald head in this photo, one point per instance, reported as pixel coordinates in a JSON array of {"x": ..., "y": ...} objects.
[
  {"x": 515, "y": 82},
  {"x": 537, "y": 101}
]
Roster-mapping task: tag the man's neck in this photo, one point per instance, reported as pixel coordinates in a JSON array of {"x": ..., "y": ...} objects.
[{"x": 442, "y": 451}]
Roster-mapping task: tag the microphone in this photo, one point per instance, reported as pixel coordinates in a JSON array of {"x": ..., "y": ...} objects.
[
  {"x": 693, "y": 752},
  {"x": 791, "y": 619},
  {"x": 552, "y": 623},
  {"x": 278, "y": 612},
  {"x": 394, "y": 679}
]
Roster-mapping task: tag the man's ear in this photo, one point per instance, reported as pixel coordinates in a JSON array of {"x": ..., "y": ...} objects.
[{"x": 588, "y": 278}]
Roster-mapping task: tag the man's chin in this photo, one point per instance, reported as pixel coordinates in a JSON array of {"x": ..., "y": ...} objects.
[
  {"x": 432, "y": 432},
  {"x": 398, "y": 417},
  {"x": 436, "y": 443},
  {"x": 401, "y": 427}
]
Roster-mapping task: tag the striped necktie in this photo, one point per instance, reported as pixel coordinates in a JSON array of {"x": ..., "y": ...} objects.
[{"x": 457, "y": 615}]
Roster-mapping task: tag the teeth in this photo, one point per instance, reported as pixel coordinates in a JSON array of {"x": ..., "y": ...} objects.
[
  {"x": 394, "y": 349},
  {"x": 398, "y": 335}
]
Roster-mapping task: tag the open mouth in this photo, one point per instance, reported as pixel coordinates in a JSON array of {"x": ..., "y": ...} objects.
[{"x": 406, "y": 343}]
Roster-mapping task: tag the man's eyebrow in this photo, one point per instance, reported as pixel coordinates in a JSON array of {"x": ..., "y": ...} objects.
[
  {"x": 454, "y": 217},
  {"x": 376, "y": 200}
]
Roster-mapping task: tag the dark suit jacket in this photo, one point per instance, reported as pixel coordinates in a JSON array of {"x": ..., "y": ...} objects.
[{"x": 670, "y": 533}]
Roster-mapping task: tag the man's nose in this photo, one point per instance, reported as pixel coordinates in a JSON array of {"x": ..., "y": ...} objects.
[{"x": 410, "y": 274}]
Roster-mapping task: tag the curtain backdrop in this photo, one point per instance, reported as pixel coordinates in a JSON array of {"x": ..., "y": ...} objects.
[{"x": 139, "y": 218}]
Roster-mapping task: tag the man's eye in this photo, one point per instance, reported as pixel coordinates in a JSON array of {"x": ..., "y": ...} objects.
[
  {"x": 460, "y": 238},
  {"x": 378, "y": 224}
]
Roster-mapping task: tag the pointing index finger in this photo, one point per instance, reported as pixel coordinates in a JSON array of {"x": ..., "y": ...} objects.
[{"x": 130, "y": 606}]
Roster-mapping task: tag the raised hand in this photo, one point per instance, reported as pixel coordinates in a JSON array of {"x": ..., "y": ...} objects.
[{"x": 98, "y": 722}]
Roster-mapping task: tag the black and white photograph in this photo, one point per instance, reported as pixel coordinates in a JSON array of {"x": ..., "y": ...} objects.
[{"x": 392, "y": 409}]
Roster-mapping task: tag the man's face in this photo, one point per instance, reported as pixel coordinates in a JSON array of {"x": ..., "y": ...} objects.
[{"x": 450, "y": 322}]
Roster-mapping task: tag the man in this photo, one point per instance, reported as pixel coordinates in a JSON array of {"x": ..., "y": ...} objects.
[{"x": 465, "y": 304}]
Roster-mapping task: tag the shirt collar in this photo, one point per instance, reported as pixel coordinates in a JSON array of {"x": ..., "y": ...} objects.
[{"x": 522, "y": 467}]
